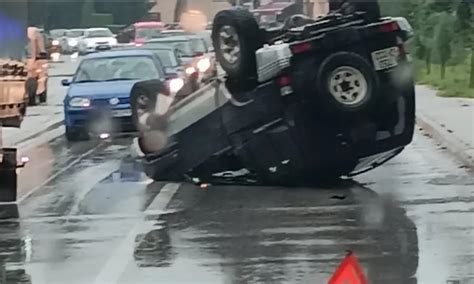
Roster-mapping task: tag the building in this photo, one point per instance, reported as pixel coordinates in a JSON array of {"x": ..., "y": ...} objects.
[{"x": 166, "y": 8}]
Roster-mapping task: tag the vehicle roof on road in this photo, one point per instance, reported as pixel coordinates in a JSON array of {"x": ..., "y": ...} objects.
[{"x": 120, "y": 53}]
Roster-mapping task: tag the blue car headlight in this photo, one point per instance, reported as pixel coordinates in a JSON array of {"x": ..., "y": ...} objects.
[{"x": 80, "y": 102}]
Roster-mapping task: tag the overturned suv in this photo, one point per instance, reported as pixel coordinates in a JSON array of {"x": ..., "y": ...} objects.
[{"x": 314, "y": 99}]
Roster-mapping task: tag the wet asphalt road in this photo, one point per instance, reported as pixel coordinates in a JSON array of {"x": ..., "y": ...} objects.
[{"x": 88, "y": 215}]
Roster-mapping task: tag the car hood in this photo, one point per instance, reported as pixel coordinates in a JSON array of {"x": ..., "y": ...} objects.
[{"x": 119, "y": 89}]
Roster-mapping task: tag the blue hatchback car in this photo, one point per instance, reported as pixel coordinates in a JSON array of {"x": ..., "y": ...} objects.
[{"x": 98, "y": 99}]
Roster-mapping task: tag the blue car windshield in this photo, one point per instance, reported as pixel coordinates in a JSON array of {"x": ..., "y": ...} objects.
[{"x": 117, "y": 68}]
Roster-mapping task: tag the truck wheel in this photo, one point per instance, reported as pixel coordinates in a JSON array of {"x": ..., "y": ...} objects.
[
  {"x": 31, "y": 86},
  {"x": 144, "y": 97},
  {"x": 236, "y": 37},
  {"x": 346, "y": 84},
  {"x": 348, "y": 7}
]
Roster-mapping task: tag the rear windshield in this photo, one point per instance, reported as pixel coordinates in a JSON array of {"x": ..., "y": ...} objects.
[{"x": 75, "y": 33}]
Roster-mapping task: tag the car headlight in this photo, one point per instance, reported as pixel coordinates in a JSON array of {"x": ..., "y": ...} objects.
[
  {"x": 80, "y": 102},
  {"x": 90, "y": 44},
  {"x": 190, "y": 70},
  {"x": 175, "y": 85},
  {"x": 113, "y": 41},
  {"x": 72, "y": 42},
  {"x": 55, "y": 42},
  {"x": 204, "y": 64}
]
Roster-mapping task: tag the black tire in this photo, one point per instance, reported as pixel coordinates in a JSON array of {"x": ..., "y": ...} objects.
[
  {"x": 76, "y": 134},
  {"x": 364, "y": 79},
  {"x": 148, "y": 90},
  {"x": 347, "y": 7},
  {"x": 249, "y": 39},
  {"x": 43, "y": 98},
  {"x": 31, "y": 86}
]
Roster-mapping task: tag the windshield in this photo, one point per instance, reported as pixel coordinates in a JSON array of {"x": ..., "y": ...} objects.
[
  {"x": 167, "y": 57},
  {"x": 117, "y": 68},
  {"x": 57, "y": 33},
  {"x": 184, "y": 48},
  {"x": 147, "y": 33},
  {"x": 75, "y": 33},
  {"x": 198, "y": 45},
  {"x": 99, "y": 33}
]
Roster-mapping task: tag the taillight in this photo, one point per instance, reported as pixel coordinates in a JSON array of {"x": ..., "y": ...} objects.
[
  {"x": 389, "y": 27},
  {"x": 301, "y": 47}
]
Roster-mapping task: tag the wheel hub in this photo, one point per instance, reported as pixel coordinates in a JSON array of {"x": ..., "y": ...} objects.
[{"x": 348, "y": 85}]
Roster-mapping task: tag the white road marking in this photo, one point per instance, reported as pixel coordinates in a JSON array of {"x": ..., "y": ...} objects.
[
  {"x": 118, "y": 261},
  {"x": 58, "y": 173}
]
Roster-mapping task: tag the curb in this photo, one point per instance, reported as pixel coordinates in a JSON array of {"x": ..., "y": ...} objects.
[{"x": 453, "y": 145}]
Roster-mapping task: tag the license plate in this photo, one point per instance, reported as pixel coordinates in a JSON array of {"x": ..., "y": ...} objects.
[
  {"x": 385, "y": 58},
  {"x": 122, "y": 113}
]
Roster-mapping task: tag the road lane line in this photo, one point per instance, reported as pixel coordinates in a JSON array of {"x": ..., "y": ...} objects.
[
  {"x": 57, "y": 174},
  {"x": 119, "y": 260}
]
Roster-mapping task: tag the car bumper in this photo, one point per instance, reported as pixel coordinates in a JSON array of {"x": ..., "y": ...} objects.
[{"x": 99, "y": 121}]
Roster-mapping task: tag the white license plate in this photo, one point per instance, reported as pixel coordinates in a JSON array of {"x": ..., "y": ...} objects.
[
  {"x": 385, "y": 58},
  {"x": 122, "y": 113}
]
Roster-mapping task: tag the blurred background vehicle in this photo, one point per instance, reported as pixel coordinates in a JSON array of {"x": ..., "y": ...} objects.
[
  {"x": 197, "y": 57},
  {"x": 140, "y": 32},
  {"x": 70, "y": 42},
  {"x": 98, "y": 98},
  {"x": 96, "y": 39}
]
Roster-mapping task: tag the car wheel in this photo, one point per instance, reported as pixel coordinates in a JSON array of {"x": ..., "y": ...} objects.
[
  {"x": 346, "y": 85},
  {"x": 74, "y": 134},
  {"x": 236, "y": 37},
  {"x": 31, "y": 86}
]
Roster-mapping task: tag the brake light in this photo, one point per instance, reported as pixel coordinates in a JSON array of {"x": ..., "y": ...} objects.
[
  {"x": 301, "y": 47},
  {"x": 389, "y": 27}
]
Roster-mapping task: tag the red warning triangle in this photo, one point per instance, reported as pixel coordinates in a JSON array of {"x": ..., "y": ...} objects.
[{"x": 349, "y": 272}]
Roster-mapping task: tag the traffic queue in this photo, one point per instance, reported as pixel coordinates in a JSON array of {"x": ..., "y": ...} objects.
[{"x": 97, "y": 102}]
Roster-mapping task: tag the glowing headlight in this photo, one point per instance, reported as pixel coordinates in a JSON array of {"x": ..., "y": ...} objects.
[
  {"x": 55, "y": 42},
  {"x": 204, "y": 64},
  {"x": 72, "y": 42},
  {"x": 80, "y": 102},
  {"x": 175, "y": 85},
  {"x": 190, "y": 70}
]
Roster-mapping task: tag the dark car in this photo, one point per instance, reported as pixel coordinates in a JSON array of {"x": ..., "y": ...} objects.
[
  {"x": 333, "y": 97},
  {"x": 195, "y": 53}
]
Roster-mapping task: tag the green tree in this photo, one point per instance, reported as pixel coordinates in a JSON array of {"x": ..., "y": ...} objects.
[
  {"x": 444, "y": 35},
  {"x": 465, "y": 16}
]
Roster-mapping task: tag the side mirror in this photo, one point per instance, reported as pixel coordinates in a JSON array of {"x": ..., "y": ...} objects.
[{"x": 65, "y": 82}]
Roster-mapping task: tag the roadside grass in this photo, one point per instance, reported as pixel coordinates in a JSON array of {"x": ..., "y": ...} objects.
[{"x": 455, "y": 83}]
